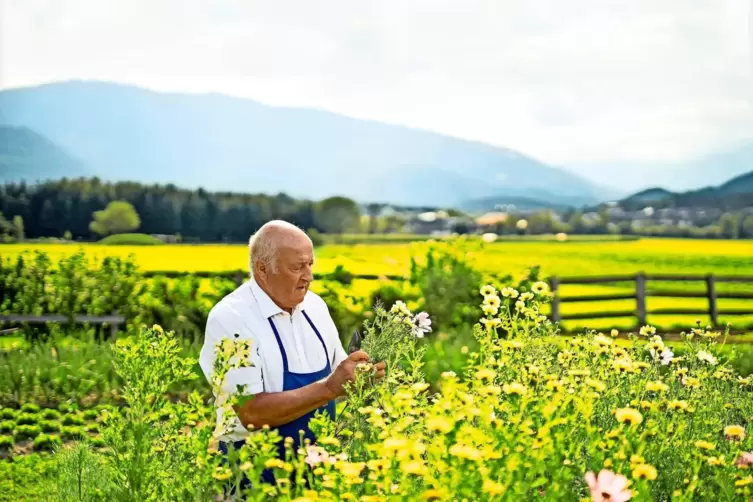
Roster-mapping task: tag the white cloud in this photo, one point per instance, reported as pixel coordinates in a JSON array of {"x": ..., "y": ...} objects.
[{"x": 574, "y": 82}]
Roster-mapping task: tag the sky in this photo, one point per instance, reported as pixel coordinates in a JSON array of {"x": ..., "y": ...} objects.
[{"x": 596, "y": 86}]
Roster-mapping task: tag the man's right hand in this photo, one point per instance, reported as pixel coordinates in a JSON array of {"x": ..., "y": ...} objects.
[{"x": 346, "y": 372}]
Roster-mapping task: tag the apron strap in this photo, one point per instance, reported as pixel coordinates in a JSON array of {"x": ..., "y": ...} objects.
[
  {"x": 279, "y": 344},
  {"x": 284, "y": 354},
  {"x": 326, "y": 353}
]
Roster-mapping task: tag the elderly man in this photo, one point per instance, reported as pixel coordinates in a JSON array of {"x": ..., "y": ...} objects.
[{"x": 298, "y": 365}]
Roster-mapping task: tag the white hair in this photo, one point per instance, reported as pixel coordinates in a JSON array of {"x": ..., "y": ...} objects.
[{"x": 264, "y": 245}]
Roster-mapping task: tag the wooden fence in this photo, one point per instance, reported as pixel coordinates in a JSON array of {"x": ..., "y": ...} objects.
[
  {"x": 114, "y": 320},
  {"x": 641, "y": 293}
]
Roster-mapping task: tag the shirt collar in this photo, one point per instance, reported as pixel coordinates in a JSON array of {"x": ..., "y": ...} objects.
[{"x": 267, "y": 306}]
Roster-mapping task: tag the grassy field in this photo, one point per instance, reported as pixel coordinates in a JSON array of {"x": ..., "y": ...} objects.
[{"x": 575, "y": 257}]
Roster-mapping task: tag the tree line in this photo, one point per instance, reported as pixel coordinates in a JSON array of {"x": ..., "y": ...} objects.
[{"x": 67, "y": 208}]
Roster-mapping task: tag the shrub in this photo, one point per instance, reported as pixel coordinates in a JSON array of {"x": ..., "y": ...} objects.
[
  {"x": 7, "y": 426},
  {"x": 47, "y": 442},
  {"x": 49, "y": 426},
  {"x": 97, "y": 441},
  {"x": 90, "y": 414},
  {"x": 64, "y": 407},
  {"x": 30, "y": 408},
  {"x": 27, "y": 419},
  {"x": 6, "y": 443},
  {"x": 8, "y": 414},
  {"x": 73, "y": 432},
  {"x": 71, "y": 419},
  {"x": 93, "y": 427},
  {"x": 130, "y": 240},
  {"x": 27, "y": 431},
  {"x": 50, "y": 414}
]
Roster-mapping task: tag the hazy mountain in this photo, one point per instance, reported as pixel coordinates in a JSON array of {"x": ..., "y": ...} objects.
[
  {"x": 225, "y": 143},
  {"x": 734, "y": 194},
  {"x": 694, "y": 174},
  {"x": 25, "y": 154}
]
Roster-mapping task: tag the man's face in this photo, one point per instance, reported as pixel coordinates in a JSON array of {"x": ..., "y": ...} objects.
[{"x": 290, "y": 284}]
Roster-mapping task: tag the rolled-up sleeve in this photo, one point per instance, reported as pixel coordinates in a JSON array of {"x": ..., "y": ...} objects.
[{"x": 246, "y": 380}]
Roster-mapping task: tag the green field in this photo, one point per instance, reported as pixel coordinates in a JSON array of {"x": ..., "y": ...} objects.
[{"x": 573, "y": 258}]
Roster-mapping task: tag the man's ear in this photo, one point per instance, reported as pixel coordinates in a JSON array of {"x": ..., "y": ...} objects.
[{"x": 260, "y": 269}]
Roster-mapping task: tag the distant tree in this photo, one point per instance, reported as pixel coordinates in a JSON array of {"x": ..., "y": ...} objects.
[
  {"x": 576, "y": 223},
  {"x": 337, "y": 215},
  {"x": 373, "y": 211},
  {"x": 117, "y": 217},
  {"x": 730, "y": 226},
  {"x": 68, "y": 236},
  {"x": 18, "y": 224},
  {"x": 747, "y": 227}
]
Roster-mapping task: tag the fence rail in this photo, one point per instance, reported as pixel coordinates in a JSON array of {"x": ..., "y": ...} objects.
[
  {"x": 641, "y": 293},
  {"x": 114, "y": 320}
]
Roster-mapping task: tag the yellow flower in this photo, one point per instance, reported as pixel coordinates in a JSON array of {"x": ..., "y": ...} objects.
[
  {"x": 515, "y": 388},
  {"x": 492, "y": 487},
  {"x": 432, "y": 495},
  {"x": 656, "y": 387},
  {"x": 415, "y": 467},
  {"x": 540, "y": 288},
  {"x": 615, "y": 333},
  {"x": 485, "y": 373},
  {"x": 601, "y": 340},
  {"x": 492, "y": 301},
  {"x": 644, "y": 471},
  {"x": 466, "y": 452},
  {"x": 647, "y": 331},
  {"x": 352, "y": 469},
  {"x": 705, "y": 445},
  {"x": 274, "y": 463},
  {"x": 622, "y": 365},
  {"x": 222, "y": 473},
  {"x": 629, "y": 416},
  {"x": 745, "y": 481},
  {"x": 734, "y": 432},
  {"x": 677, "y": 405},
  {"x": 440, "y": 424},
  {"x": 488, "y": 290}
]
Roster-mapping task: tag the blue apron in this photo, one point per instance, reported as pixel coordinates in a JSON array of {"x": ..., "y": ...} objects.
[{"x": 292, "y": 381}]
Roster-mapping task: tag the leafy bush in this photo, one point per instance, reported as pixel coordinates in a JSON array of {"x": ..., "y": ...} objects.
[
  {"x": 97, "y": 441},
  {"x": 30, "y": 408},
  {"x": 27, "y": 419},
  {"x": 8, "y": 414},
  {"x": 73, "y": 432},
  {"x": 90, "y": 414},
  {"x": 130, "y": 240},
  {"x": 7, "y": 426},
  {"x": 6, "y": 443},
  {"x": 72, "y": 420},
  {"x": 27, "y": 431},
  {"x": 51, "y": 414},
  {"x": 47, "y": 442},
  {"x": 92, "y": 427},
  {"x": 49, "y": 426}
]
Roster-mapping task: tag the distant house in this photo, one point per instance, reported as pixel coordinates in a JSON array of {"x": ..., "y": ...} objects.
[
  {"x": 436, "y": 223},
  {"x": 491, "y": 219}
]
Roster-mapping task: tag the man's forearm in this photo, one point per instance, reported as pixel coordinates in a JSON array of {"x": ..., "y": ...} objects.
[{"x": 278, "y": 408}]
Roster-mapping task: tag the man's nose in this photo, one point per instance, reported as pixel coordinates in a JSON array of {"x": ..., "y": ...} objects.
[{"x": 308, "y": 274}]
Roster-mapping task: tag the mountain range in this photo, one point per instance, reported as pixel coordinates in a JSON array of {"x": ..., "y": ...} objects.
[
  {"x": 119, "y": 132},
  {"x": 734, "y": 194}
]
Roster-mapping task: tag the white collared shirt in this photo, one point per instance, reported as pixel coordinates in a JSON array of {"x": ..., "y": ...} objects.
[{"x": 245, "y": 311}]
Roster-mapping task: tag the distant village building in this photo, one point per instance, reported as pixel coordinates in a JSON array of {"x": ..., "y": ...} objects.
[{"x": 491, "y": 219}]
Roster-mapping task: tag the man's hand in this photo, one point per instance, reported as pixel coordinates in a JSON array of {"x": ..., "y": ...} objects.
[{"x": 346, "y": 372}]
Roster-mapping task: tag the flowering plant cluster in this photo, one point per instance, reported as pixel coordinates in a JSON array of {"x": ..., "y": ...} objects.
[{"x": 534, "y": 416}]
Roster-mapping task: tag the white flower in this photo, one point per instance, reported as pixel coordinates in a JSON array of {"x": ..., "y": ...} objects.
[
  {"x": 423, "y": 324},
  {"x": 666, "y": 356},
  {"x": 706, "y": 357},
  {"x": 314, "y": 455}
]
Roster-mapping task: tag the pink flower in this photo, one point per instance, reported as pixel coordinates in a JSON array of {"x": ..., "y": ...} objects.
[
  {"x": 608, "y": 487},
  {"x": 745, "y": 459},
  {"x": 423, "y": 324},
  {"x": 314, "y": 456}
]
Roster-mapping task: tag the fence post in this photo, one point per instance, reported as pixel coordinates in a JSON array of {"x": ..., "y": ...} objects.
[
  {"x": 640, "y": 298},
  {"x": 554, "y": 283},
  {"x": 711, "y": 291}
]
